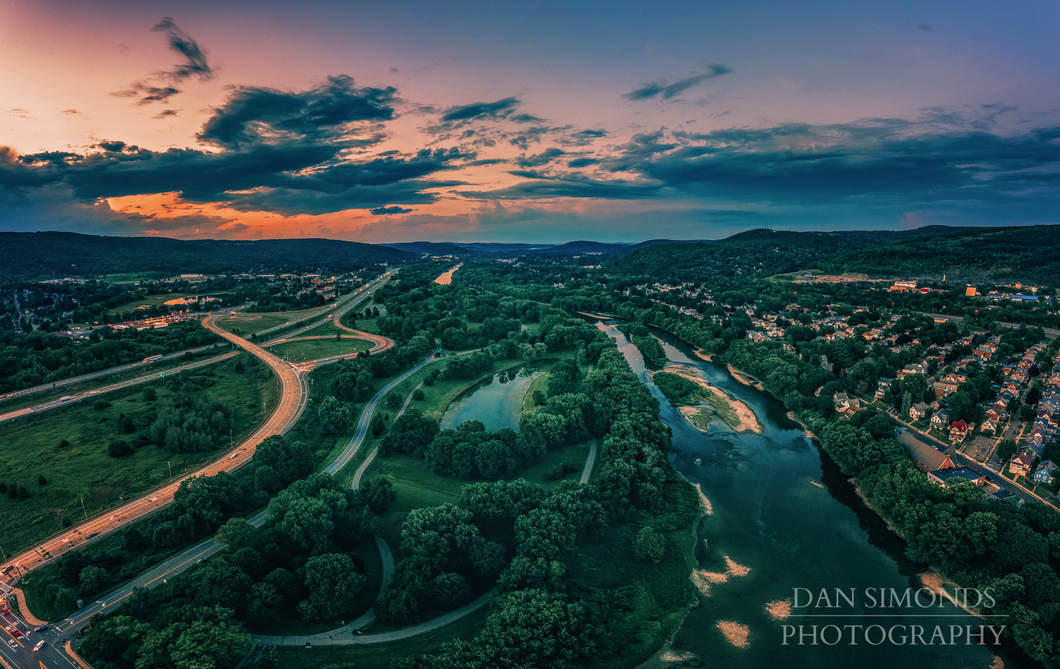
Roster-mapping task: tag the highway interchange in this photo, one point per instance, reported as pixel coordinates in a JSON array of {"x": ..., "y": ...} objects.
[{"x": 20, "y": 639}]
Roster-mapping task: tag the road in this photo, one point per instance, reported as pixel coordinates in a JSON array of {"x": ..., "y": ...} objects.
[
  {"x": 293, "y": 396},
  {"x": 101, "y": 373},
  {"x": 73, "y": 399}
]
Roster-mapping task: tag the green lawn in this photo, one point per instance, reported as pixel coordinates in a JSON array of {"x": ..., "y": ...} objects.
[
  {"x": 315, "y": 349},
  {"x": 248, "y": 323},
  {"x": 540, "y": 383},
  {"x": 381, "y": 654},
  {"x": 83, "y": 470}
]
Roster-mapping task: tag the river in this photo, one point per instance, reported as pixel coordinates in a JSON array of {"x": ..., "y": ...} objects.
[{"x": 782, "y": 516}]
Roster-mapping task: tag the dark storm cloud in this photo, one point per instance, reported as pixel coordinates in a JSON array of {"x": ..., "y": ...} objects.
[
  {"x": 876, "y": 160},
  {"x": 263, "y": 114},
  {"x": 543, "y": 158},
  {"x": 195, "y": 64},
  {"x": 667, "y": 91},
  {"x": 385, "y": 211}
]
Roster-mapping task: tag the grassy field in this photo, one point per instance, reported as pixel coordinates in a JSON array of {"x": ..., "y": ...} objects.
[
  {"x": 360, "y": 322},
  {"x": 315, "y": 349},
  {"x": 381, "y": 654},
  {"x": 83, "y": 470},
  {"x": 540, "y": 383},
  {"x": 248, "y": 323}
]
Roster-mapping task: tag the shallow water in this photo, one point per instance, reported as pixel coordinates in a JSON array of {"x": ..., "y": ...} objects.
[{"x": 784, "y": 517}]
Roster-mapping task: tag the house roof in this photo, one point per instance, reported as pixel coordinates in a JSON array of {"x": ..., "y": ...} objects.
[
  {"x": 927, "y": 455},
  {"x": 958, "y": 472}
]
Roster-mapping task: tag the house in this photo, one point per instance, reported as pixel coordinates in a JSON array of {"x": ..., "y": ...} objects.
[
  {"x": 941, "y": 420},
  {"x": 840, "y": 401},
  {"x": 958, "y": 430},
  {"x": 853, "y": 407},
  {"x": 1020, "y": 464},
  {"x": 943, "y": 389},
  {"x": 944, "y": 476},
  {"x": 918, "y": 411},
  {"x": 1045, "y": 472},
  {"x": 883, "y": 390},
  {"x": 989, "y": 425},
  {"x": 1003, "y": 495}
]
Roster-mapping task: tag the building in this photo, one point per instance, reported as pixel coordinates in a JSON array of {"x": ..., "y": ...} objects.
[
  {"x": 958, "y": 430},
  {"x": 1020, "y": 464},
  {"x": 1045, "y": 472},
  {"x": 944, "y": 476}
]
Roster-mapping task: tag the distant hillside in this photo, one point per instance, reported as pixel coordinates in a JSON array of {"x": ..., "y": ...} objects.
[
  {"x": 495, "y": 247},
  {"x": 68, "y": 253},
  {"x": 581, "y": 247},
  {"x": 660, "y": 242},
  {"x": 1029, "y": 253},
  {"x": 432, "y": 248}
]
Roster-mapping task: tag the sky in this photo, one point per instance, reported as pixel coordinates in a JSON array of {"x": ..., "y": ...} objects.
[{"x": 539, "y": 122}]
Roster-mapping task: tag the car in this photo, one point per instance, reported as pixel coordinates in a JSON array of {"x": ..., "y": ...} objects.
[
  {"x": 5, "y": 611},
  {"x": 40, "y": 644},
  {"x": 15, "y": 632},
  {"x": 40, "y": 628},
  {"x": 7, "y": 569}
]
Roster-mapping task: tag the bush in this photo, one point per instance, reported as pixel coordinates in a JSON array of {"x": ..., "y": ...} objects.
[
  {"x": 62, "y": 444},
  {"x": 101, "y": 405},
  {"x": 418, "y": 394},
  {"x": 428, "y": 381},
  {"x": 150, "y": 394},
  {"x": 119, "y": 449},
  {"x": 649, "y": 546}
]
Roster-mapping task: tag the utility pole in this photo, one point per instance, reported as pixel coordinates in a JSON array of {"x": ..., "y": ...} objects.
[
  {"x": 170, "y": 470},
  {"x": 83, "y": 508}
]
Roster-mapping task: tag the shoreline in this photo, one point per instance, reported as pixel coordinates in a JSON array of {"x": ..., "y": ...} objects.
[{"x": 745, "y": 418}]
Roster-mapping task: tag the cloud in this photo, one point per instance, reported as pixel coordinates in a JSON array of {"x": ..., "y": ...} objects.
[
  {"x": 568, "y": 185},
  {"x": 70, "y": 112},
  {"x": 19, "y": 113},
  {"x": 925, "y": 27},
  {"x": 254, "y": 114},
  {"x": 583, "y": 162},
  {"x": 667, "y": 91},
  {"x": 543, "y": 158},
  {"x": 194, "y": 64},
  {"x": 481, "y": 110},
  {"x": 165, "y": 113},
  {"x": 159, "y": 88},
  {"x": 384, "y": 211}
]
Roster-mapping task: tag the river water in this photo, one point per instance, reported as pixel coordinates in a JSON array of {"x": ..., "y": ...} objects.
[
  {"x": 783, "y": 517},
  {"x": 497, "y": 402}
]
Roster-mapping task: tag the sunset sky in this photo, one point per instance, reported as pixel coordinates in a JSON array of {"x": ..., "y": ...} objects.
[{"x": 536, "y": 122}]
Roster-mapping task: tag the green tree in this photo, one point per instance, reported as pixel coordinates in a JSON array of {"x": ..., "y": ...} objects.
[
  {"x": 333, "y": 585},
  {"x": 649, "y": 545},
  {"x": 334, "y": 416},
  {"x": 234, "y": 533}
]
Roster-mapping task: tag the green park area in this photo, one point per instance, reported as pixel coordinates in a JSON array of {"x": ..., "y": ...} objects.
[
  {"x": 245, "y": 323},
  {"x": 108, "y": 449},
  {"x": 316, "y": 349}
]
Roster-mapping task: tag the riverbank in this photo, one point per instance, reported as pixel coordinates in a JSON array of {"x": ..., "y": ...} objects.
[{"x": 733, "y": 411}]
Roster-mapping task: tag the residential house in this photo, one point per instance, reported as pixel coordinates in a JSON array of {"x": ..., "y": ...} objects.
[
  {"x": 918, "y": 411},
  {"x": 840, "y": 401},
  {"x": 883, "y": 390},
  {"x": 1020, "y": 464},
  {"x": 1045, "y": 472},
  {"x": 944, "y": 389},
  {"x": 958, "y": 430},
  {"x": 989, "y": 425},
  {"x": 941, "y": 420}
]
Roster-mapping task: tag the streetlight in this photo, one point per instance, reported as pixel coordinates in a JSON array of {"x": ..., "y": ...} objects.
[
  {"x": 170, "y": 470},
  {"x": 83, "y": 508}
]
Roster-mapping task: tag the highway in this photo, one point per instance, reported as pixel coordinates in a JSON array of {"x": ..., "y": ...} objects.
[
  {"x": 293, "y": 397},
  {"x": 72, "y": 399}
]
